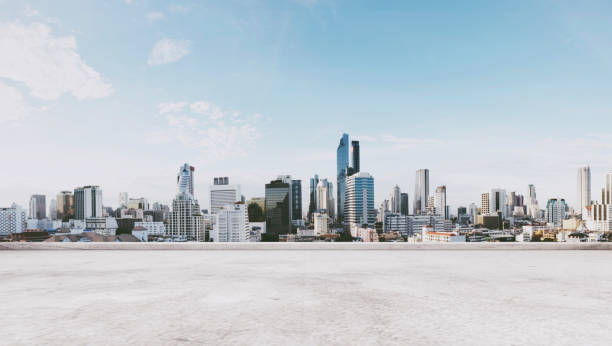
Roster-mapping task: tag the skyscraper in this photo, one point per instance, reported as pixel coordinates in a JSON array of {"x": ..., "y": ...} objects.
[
  {"x": 296, "y": 200},
  {"x": 185, "y": 221},
  {"x": 342, "y": 165},
  {"x": 584, "y": 188},
  {"x": 421, "y": 191},
  {"x": 38, "y": 207},
  {"x": 53, "y": 209},
  {"x": 222, "y": 194},
  {"x": 497, "y": 202},
  {"x": 123, "y": 199},
  {"x": 355, "y": 152},
  {"x": 440, "y": 202},
  {"x": 532, "y": 202},
  {"x": 184, "y": 179},
  {"x": 322, "y": 202},
  {"x": 359, "y": 207},
  {"x": 555, "y": 211},
  {"x": 65, "y": 205},
  {"x": 404, "y": 207},
  {"x": 88, "y": 202},
  {"x": 396, "y": 200},
  {"x": 278, "y": 206},
  {"x": 312, "y": 205}
]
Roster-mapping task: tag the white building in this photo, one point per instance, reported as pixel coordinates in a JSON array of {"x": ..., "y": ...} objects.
[
  {"x": 102, "y": 225},
  {"x": 555, "y": 211},
  {"x": 12, "y": 220},
  {"x": 322, "y": 195},
  {"x": 153, "y": 228},
  {"x": 232, "y": 224},
  {"x": 185, "y": 221},
  {"x": 430, "y": 236},
  {"x": 439, "y": 202},
  {"x": 321, "y": 224},
  {"x": 364, "y": 234},
  {"x": 222, "y": 194},
  {"x": 584, "y": 188}
]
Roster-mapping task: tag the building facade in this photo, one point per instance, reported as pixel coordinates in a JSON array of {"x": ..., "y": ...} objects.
[
  {"x": 232, "y": 224},
  {"x": 359, "y": 200},
  {"x": 88, "y": 202},
  {"x": 421, "y": 191},
  {"x": 584, "y": 188},
  {"x": 278, "y": 206},
  {"x": 38, "y": 207},
  {"x": 222, "y": 194}
]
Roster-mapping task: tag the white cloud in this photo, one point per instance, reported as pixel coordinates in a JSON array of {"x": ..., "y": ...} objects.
[
  {"x": 154, "y": 16},
  {"x": 167, "y": 51},
  {"x": 48, "y": 65},
  {"x": 171, "y": 107},
  {"x": 13, "y": 107},
  {"x": 207, "y": 127}
]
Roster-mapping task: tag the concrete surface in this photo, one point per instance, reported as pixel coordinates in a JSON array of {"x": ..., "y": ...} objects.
[
  {"x": 306, "y": 246},
  {"x": 484, "y": 297}
]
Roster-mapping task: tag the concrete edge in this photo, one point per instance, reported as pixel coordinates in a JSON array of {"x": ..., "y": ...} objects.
[{"x": 305, "y": 246}]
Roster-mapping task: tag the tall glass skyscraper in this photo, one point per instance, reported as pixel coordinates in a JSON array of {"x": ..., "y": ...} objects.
[
  {"x": 421, "y": 191},
  {"x": 312, "y": 206},
  {"x": 296, "y": 199},
  {"x": 278, "y": 207},
  {"x": 584, "y": 188},
  {"x": 355, "y": 150},
  {"x": 342, "y": 160},
  {"x": 185, "y": 220}
]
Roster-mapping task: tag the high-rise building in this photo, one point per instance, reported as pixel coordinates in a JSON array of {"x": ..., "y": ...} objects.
[
  {"x": 321, "y": 223},
  {"x": 123, "y": 199},
  {"x": 533, "y": 210},
  {"x": 396, "y": 200},
  {"x": 421, "y": 191},
  {"x": 356, "y": 159},
  {"x": 440, "y": 202},
  {"x": 278, "y": 206},
  {"x": 598, "y": 216},
  {"x": 497, "y": 202},
  {"x": 232, "y": 224},
  {"x": 584, "y": 188},
  {"x": 88, "y": 202},
  {"x": 65, "y": 205},
  {"x": 38, "y": 207},
  {"x": 296, "y": 199},
  {"x": 137, "y": 203},
  {"x": 12, "y": 220},
  {"x": 359, "y": 200},
  {"x": 52, "y": 209},
  {"x": 342, "y": 165},
  {"x": 222, "y": 194},
  {"x": 322, "y": 194},
  {"x": 186, "y": 221},
  {"x": 404, "y": 207},
  {"x": 312, "y": 205},
  {"x": 555, "y": 211},
  {"x": 484, "y": 203}
]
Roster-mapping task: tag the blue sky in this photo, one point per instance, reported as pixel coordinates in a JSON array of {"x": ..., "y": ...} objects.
[{"x": 486, "y": 94}]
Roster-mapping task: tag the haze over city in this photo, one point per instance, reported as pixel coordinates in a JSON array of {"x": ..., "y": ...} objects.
[{"x": 120, "y": 93}]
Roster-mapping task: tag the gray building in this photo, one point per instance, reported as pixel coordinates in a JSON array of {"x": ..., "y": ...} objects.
[
  {"x": 421, "y": 191},
  {"x": 38, "y": 207}
]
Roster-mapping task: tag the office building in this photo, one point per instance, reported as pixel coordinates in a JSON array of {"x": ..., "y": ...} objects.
[
  {"x": 38, "y": 207},
  {"x": 533, "y": 210},
  {"x": 494, "y": 202},
  {"x": 396, "y": 200},
  {"x": 440, "y": 202},
  {"x": 185, "y": 221},
  {"x": 154, "y": 228},
  {"x": 312, "y": 205},
  {"x": 123, "y": 199},
  {"x": 52, "y": 209},
  {"x": 584, "y": 188},
  {"x": 222, "y": 194},
  {"x": 138, "y": 203},
  {"x": 555, "y": 211},
  {"x": 404, "y": 207},
  {"x": 88, "y": 202},
  {"x": 342, "y": 165},
  {"x": 64, "y": 204},
  {"x": 359, "y": 200},
  {"x": 484, "y": 203},
  {"x": 321, "y": 223},
  {"x": 12, "y": 220},
  {"x": 421, "y": 191},
  {"x": 232, "y": 224},
  {"x": 355, "y": 154},
  {"x": 322, "y": 194},
  {"x": 296, "y": 200},
  {"x": 278, "y": 205}
]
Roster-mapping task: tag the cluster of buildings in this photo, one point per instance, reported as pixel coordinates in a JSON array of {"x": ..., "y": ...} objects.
[{"x": 340, "y": 210}]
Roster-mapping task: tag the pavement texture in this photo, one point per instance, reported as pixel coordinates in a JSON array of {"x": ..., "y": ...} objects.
[{"x": 306, "y": 297}]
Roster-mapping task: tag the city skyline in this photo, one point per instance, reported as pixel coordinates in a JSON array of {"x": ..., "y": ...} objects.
[{"x": 468, "y": 97}]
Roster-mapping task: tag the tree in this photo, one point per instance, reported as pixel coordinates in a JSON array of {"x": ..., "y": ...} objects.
[
  {"x": 345, "y": 236},
  {"x": 256, "y": 214}
]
